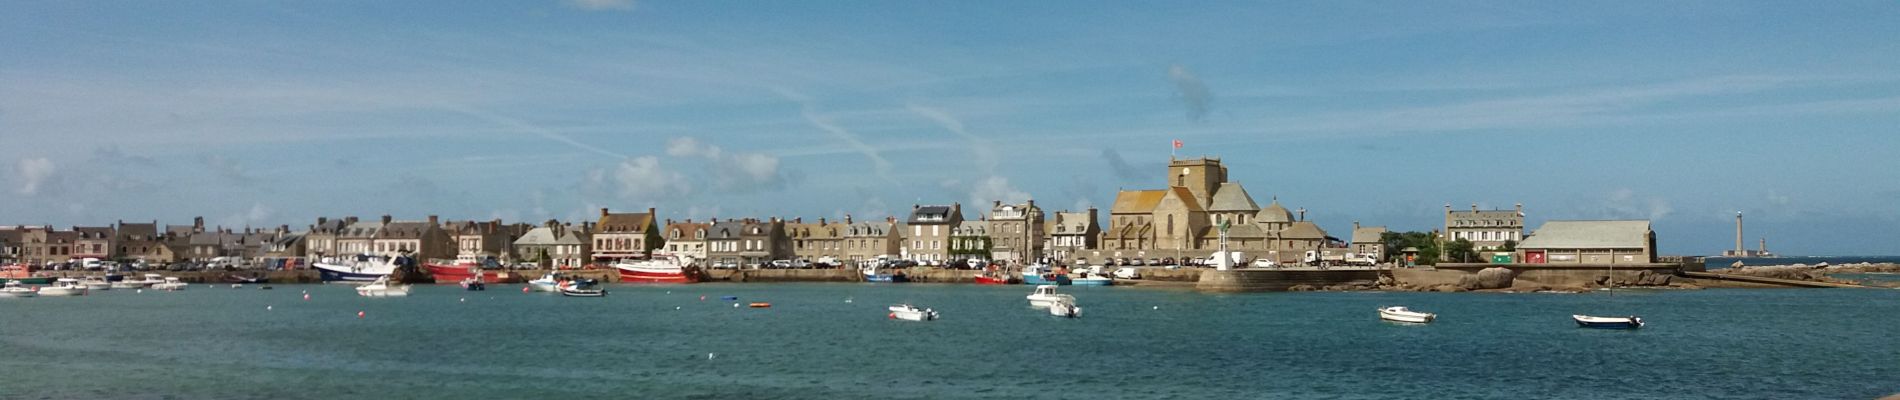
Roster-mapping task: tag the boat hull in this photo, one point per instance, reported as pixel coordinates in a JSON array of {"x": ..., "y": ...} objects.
[
  {"x": 459, "y": 273},
  {"x": 38, "y": 280},
  {"x": 583, "y": 293},
  {"x": 991, "y": 280},
  {"x": 60, "y": 292},
  {"x": 1091, "y": 282},
  {"x": 330, "y": 275},
  {"x": 1607, "y": 323},
  {"x": 1050, "y": 279},
  {"x": 886, "y": 278},
  {"x": 1065, "y": 310},
  {"x": 18, "y": 294},
  {"x": 1410, "y": 317},
  {"x": 385, "y": 292}
]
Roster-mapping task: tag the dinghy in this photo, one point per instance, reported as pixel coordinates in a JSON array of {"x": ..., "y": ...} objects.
[
  {"x": 1402, "y": 314},
  {"x": 908, "y": 312},
  {"x": 382, "y": 288},
  {"x": 583, "y": 288},
  {"x": 1065, "y": 308},
  {"x": 1630, "y": 322}
]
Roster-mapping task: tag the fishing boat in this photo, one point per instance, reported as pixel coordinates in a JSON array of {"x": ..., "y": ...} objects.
[
  {"x": 992, "y": 276},
  {"x": 381, "y": 287},
  {"x": 64, "y": 287},
  {"x": 1402, "y": 314},
  {"x": 462, "y": 270},
  {"x": 547, "y": 283},
  {"x": 95, "y": 283},
  {"x": 884, "y": 275},
  {"x": 583, "y": 288},
  {"x": 14, "y": 289},
  {"x": 1629, "y": 322},
  {"x": 360, "y": 268},
  {"x": 24, "y": 274},
  {"x": 660, "y": 268},
  {"x": 169, "y": 283},
  {"x": 1045, "y": 296},
  {"x": 1041, "y": 274},
  {"x": 908, "y": 312},
  {"x": 1092, "y": 280},
  {"x": 1065, "y": 308},
  {"x": 473, "y": 284},
  {"x": 246, "y": 279}
]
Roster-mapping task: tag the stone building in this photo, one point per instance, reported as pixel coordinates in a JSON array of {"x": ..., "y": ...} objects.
[
  {"x": 9, "y": 245},
  {"x": 971, "y": 240},
  {"x": 1486, "y": 229},
  {"x": 320, "y": 240},
  {"x": 1369, "y": 240},
  {"x": 723, "y": 243},
  {"x": 1072, "y": 235},
  {"x": 1016, "y": 232},
  {"x": 1184, "y": 220},
  {"x": 485, "y": 240},
  {"x": 763, "y": 241},
  {"x": 555, "y": 245},
  {"x": 686, "y": 239},
  {"x": 357, "y": 237},
  {"x": 141, "y": 242},
  {"x": 94, "y": 242},
  {"x": 626, "y": 235},
  {"x": 423, "y": 240},
  {"x": 822, "y": 241},
  {"x": 870, "y": 241},
  {"x": 1590, "y": 242},
  {"x": 927, "y": 241}
]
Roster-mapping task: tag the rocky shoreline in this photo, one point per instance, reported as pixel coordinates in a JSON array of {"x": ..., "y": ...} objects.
[
  {"x": 1822, "y": 272},
  {"x": 1504, "y": 280}
]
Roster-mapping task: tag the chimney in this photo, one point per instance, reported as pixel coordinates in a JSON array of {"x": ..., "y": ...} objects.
[
  {"x": 821, "y": 221},
  {"x": 996, "y": 203},
  {"x": 1355, "y": 225},
  {"x": 797, "y": 220},
  {"x": 652, "y": 213},
  {"x": 847, "y": 219},
  {"x": 322, "y": 220},
  {"x": 385, "y": 218},
  {"x": 198, "y": 224},
  {"x": 914, "y": 207},
  {"x": 603, "y": 211},
  {"x": 1447, "y": 208},
  {"x": 1031, "y": 204},
  {"x": 432, "y": 220},
  {"x": 1520, "y": 209},
  {"x": 353, "y": 219}
]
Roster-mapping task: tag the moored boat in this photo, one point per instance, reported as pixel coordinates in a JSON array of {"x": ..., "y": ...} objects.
[
  {"x": 660, "y": 268},
  {"x": 908, "y": 312},
  {"x": 991, "y": 280},
  {"x": 583, "y": 288},
  {"x": 381, "y": 287},
  {"x": 1065, "y": 308},
  {"x": 64, "y": 287},
  {"x": 14, "y": 289},
  {"x": 547, "y": 283},
  {"x": 1629, "y": 322},
  {"x": 24, "y": 274},
  {"x": 360, "y": 268},
  {"x": 460, "y": 271},
  {"x": 95, "y": 283},
  {"x": 1045, "y": 296},
  {"x": 473, "y": 284},
  {"x": 883, "y": 275},
  {"x": 246, "y": 279},
  {"x": 1402, "y": 314},
  {"x": 169, "y": 283}
]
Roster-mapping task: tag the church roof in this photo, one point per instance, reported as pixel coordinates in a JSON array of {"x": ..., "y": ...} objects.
[
  {"x": 1137, "y": 201},
  {"x": 1274, "y": 213},
  {"x": 1304, "y": 230},
  {"x": 1231, "y": 197}
]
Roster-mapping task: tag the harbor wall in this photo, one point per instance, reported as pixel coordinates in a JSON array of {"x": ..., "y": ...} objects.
[
  {"x": 1263, "y": 280},
  {"x": 1541, "y": 274},
  {"x": 292, "y": 276},
  {"x": 782, "y": 275}
]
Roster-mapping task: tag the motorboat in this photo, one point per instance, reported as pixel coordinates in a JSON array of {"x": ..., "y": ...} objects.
[
  {"x": 1065, "y": 308},
  {"x": 883, "y": 275},
  {"x": 583, "y": 288},
  {"x": 659, "y": 268},
  {"x": 246, "y": 279},
  {"x": 473, "y": 284},
  {"x": 381, "y": 287},
  {"x": 170, "y": 283},
  {"x": 1629, "y": 322},
  {"x": 24, "y": 274},
  {"x": 547, "y": 283},
  {"x": 1045, "y": 296},
  {"x": 95, "y": 283},
  {"x": 1041, "y": 274},
  {"x": 908, "y": 312},
  {"x": 463, "y": 270},
  {"x": 360, "y": 268},
  {"x": 64, "y": 287},
  {"x": 129, "y": 283},
  {"x": 1402, "y": 314},
  {"x": 14, "y": 289}
]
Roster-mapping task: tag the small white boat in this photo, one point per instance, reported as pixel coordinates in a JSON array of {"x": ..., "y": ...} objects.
[
  {"x": 129, "y": 283},
  {"x": 1402, "y": 314},
  {"x": 908, "y": 312},
  {"x": 547, "y": 283},
  {"x": 170, "y": 283},
  {"x": 13, "y": 289},
  {"x": 1065, "y": 308},
  {"x": 382, "y": 288},
  {"x": 96, "y": 283},
  {"x": 583, "y": 288},
  {"x": 64, "y": 287},
  {"x": 1585, "y": 321},
  {"x": 1045, "y": 295}
]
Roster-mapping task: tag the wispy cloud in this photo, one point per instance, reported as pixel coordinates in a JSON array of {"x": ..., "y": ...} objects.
[
  {"x": 1121, "y": 167},
  {"x": 232, "y": 171},
  {"x": 1193, "y": 93},
  {"x": 601, "y": 5},
  {"x": 733, "y": 172},
  {"x": 33, "y": 173},
  {"x": 985, "y": 151},
  {"x": 525, "y": 127},
  {"x": 809, "y": 109}
]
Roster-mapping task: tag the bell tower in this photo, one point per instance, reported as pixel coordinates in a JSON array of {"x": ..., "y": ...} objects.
[{"x": 1201, "y": 176}]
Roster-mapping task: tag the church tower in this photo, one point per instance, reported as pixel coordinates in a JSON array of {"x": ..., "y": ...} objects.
[{"x": 1201, "y": 176}]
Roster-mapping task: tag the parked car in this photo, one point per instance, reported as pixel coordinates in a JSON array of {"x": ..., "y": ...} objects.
[
  {"x": 1264, "y": 263},
  {"x": 1168, "y": 261},
  {"x": 781, "y": 263},
  {"x": 1136, "y": 261},
  {"x": 1127, "y": 273}
]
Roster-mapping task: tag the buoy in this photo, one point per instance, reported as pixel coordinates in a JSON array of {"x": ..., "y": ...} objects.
[
  {"x": 709, "y": 356},
  {"x": 847, "y": 299},
  {"x": 702, "y": 297},
  {"x": 267, "y": 308},
  {"x": 676, "y": 307},
  {"x": 139, "y": 291},
  {"x": 761, "y": 305},
  {"x": 1157, "y": 307},
  {"x": 464, "y": 299},
  {"x": 524, "y": 289},
  {"x": 735, "y": 305},
  {"x": 893, "y": 315},
  {"x": 359, "y": 314},
  {"x": 306, "y": 296}
]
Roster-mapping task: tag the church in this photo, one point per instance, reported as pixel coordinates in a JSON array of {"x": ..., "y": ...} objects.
[{"x": 1185, "y": 219}]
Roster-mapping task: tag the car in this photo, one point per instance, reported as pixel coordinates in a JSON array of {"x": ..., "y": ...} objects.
[
  {"x": 781, "y": 264},
  {"x": 1127, "y": 273},
  {"x": 1264, "y": 263},
  {"x": 1168, "y": 261}
]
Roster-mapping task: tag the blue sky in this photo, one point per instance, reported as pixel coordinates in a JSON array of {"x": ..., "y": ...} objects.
[{"x": 264, "y": 113}]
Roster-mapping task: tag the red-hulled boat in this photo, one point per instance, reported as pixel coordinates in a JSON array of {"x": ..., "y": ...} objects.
[
  {"x": 991, "y": 280},
  {"x": 460, "y": 271},
  {"x": 661, "y": 268}
]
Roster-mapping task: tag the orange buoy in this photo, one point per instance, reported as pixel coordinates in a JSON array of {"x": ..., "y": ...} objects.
[{"x": 761, "y": 305}]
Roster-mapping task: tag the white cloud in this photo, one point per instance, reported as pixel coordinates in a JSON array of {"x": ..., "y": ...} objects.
[
  {"x": 33, "y": 173},
  {"x": 257, "y": 215},
  {"x": 642, "y": 178},
  {"x": 732, "y": 171},
  {"x": 602, "y": 5},
  {"x": 986, "y": 190},
  {"x": 1626, "y": 203}
]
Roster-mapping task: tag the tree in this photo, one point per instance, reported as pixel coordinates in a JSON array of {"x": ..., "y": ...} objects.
[
  {"x": 1427, "y": 245},
  {"x": 1509, "y": 246},
  {"x": 1460, "y": 250}
]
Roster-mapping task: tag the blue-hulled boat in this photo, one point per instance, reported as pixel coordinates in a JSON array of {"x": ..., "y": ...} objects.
[
  {"x": 873, "y": 274},
  {"x": 1630, "y": 322},
  {"x": 1032, "y": 278},
  {"x": 362, "y": 268}
]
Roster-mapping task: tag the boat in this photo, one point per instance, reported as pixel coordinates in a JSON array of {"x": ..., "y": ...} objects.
[
  {"x": 460, "y": 271},
  {"x": 1045, "y": 296},
  {"x": 114, "y": 277},
  {"x": 64, "y": 287},
  {"x": 473, "y": 284},
  {"x": 547, "y": 283},
  {"x": 169, "y": 283},
  {"x": 884, "y": 275},
  {"x": 1065, "y": 308},
  {"x": 24, "y": 274},
  {"x": 1402, "y": 314},
  {"x": 908, "y": 312},
  {"x": 361, "y": 268},
  {"x": 95, "y": 283},
  {"x": 129, "y": 283},
  {"x": 1041, "y": 274},
  {"x": 991, "y": 280},
  {"x": 1629, "y": 322},
  {"x": 14, "y": 289},
  {"x": 1092, "y": 280},
  {"x": 381, "y": 287},
  {"x": 246, "y": 279},
  {"x": 660, "y": 268},
  {"x": 760, "y": 305},
  {"x": 583, "y": 288}
]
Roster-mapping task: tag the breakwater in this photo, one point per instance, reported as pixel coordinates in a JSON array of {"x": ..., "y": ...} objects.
[{"x": 1260, "y": 280}]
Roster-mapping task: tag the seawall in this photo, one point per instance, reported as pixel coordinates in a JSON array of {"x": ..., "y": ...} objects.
[{"x": 1263, "y": 280}]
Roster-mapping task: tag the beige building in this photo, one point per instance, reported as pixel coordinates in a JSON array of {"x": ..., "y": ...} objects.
[
  {"x": 555, "y": 245},
  {"x": 626, "y": 235},
  {"x": 357, "y": 237},
  {"x": 1016, "y": 233},
  {"x": 422, "y": 240},
  {"x": 322, "y": 238},
  {"x": 871, "y": 240},
  {"x": 1590, "y": 243},
  {"x": 1072, "y": 235},
  {"x": 816, "y": 242},
  {"x": 1486, "y": 229},
  {"x": 686, "y": 239},
  {"x": 928, "y": 237},
  {"x": 1368, "y": 240}
]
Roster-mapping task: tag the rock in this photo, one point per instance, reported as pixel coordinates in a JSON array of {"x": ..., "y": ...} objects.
[
  {"x": 1449, "y": 288},
  {"x": 1495, "y": 278},
  {"x": 1736, "y": 265}
]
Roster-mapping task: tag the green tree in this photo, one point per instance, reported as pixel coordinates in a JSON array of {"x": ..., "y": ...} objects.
[
  {"x": 1461, "y": 250},
  {"x": 1509, "y": 246},
  {"x": 1427, "y": 245}
]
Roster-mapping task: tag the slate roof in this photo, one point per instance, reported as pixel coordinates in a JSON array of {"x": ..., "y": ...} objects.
[
  {"x": 1304, "y": 230},
  {"x": 868, "y": 229},
  {"x": 361, "y": 230},
  {"x": 1274, "y": 213},
  {"x": 93, "y": 232},
  {"x": 624, "y": 223},
  {"x": 1231, "y": 197},
  {"x": 933, "y": 215},
  {"x": 146, "y": 231},
  {"x": 1625, "y": 234},
  {"x": 725, "y": 230},
  {"x": 971, "y": 228},
  {"x": 1368, "y": 234},
  {"x": 403, "y": 230},
  {"x": 1236, "y": 231},
  {"x": 1137, "y": 201},
  {"x": 544, "y": 236}
]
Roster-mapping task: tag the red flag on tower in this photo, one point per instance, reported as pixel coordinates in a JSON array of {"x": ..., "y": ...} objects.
[{"x": 1177, "y": 143}]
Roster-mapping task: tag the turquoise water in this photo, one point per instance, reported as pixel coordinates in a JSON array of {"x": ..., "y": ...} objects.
[{"x": 214, "y": 342}]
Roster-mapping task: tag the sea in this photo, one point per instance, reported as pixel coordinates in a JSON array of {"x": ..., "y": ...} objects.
[{"x": 836, "y": 341}]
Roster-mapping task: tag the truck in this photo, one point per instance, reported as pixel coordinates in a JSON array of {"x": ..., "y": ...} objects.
[
  {"x": 1231, "y": 260},
  {"x": 1361, "y": 259}
]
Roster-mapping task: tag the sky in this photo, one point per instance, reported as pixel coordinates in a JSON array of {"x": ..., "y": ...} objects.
[{"x": 268, "y": 113}]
